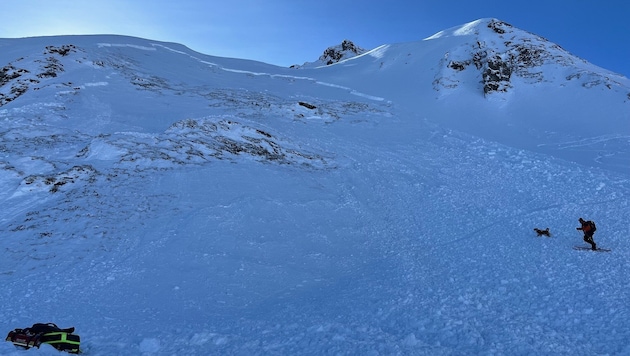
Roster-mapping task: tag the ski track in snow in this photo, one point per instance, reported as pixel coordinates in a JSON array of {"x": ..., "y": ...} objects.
[{"x": 353, "y": 92}]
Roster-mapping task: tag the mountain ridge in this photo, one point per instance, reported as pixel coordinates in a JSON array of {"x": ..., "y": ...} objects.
[{"x": 486, "y": 67}]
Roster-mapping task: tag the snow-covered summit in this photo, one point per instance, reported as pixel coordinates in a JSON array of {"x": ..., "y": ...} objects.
[
  {"x": 479, "y": 27},
  {"x": 499, "y": 51}
]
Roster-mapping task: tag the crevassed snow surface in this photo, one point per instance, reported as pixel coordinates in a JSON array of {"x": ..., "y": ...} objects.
[{"x": 143, "y": 206}]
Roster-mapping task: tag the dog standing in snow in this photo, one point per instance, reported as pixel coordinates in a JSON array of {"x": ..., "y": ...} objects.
[{"x": 544, "y": 232}]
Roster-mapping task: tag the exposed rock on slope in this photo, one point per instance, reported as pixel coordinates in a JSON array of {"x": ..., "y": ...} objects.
[
  {"x": 345, "y": 50},
  {"x": 500, "y": 53},
  {"x": 334, "y": 54}
]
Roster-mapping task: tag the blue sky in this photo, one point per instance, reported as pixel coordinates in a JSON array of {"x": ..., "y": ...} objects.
[{"x": 286, "y": 32}]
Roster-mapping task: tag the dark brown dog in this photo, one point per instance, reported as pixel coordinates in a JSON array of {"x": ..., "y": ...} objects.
[{"x": 544, "y": 232}]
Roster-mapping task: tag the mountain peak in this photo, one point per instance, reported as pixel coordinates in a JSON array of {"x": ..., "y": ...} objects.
[
  {"x": 501, "y": 52},
  {"x": 477, "y": 27},
  {"x": 334, "y": 54},
  {"x": 347, "y": 49}
]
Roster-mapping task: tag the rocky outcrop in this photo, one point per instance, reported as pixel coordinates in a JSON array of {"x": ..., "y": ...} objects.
[
  {"x": 62, "y": 51},
  {"x": 15, "y": 81},
  {"x": 335, "y": 54},
  {"x": 496, "y": 75},
  {"x": 345, "y": 50}
]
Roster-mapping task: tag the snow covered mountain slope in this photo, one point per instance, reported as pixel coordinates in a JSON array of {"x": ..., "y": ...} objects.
[
  {"x": 487, "y": 74},
  {"x": 168, "y": 202}
]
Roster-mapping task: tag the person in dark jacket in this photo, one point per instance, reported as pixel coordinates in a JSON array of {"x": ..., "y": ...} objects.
[{"x": 588, "y": 228}]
